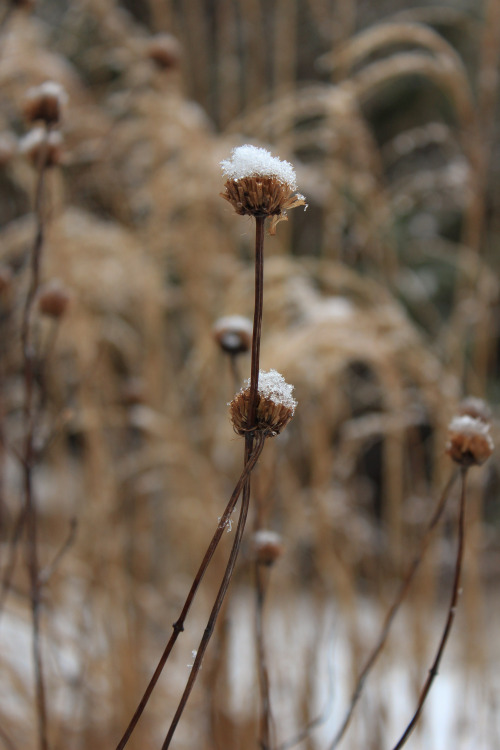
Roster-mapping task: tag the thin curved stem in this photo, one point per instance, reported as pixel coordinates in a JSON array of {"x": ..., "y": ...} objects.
[
  {"x": 266, "y": 717},
  {"x": 178, "y": 625},
  {"x": 215, "y": 609},
  {"x": 29, "y": 453},
  {"x": 449, "y": 618},
  {"x": 391, "y": 614}
]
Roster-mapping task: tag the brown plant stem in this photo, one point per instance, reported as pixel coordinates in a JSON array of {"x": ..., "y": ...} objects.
[
  {"x": 249, "y": 449},
  {"x": 257, "y": 324},
  {"x": 260, "y": 439},
  {"x": 29, "y": 453},
  {"x": 391, "y": 614},
  {"x": 266, "y": 717},
  {"x": 11, "y": 557},
  {"x": 433, "y": 671},
  {"x": 178, "y": 625}
]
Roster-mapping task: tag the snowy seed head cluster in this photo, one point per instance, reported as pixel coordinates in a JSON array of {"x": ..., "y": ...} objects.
[
  {"x": 259, "y": 184},
  {"x": 251, "y": 161},
  {"x": 469, "y": 441},
  {"x": 275, "y": 405}
]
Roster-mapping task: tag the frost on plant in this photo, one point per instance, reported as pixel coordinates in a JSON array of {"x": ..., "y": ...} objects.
[
  {"x": 251, "y": 161},
  {"x": 275, "y": 405},
  {"x": 259, "y": 184}
]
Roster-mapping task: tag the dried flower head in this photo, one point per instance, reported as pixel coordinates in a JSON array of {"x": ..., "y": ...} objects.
[
  {"x": 54, "y": 299},
  {"x": 469, "y": 441},
  {"x": 165, "y": 51},
  {"x": 259, "y": 184},
  {"x": 42, "y": 148},
  {"x": 266, "y": 546},
  {"x": 45, "y": 103},
  {"x": 275, "y": 405},
  {"x": 233, "y": 333},
  {"x": 475, "y": 407}
]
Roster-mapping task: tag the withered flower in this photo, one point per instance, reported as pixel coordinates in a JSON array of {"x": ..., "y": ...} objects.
[
  {"x": 275, "y": 406},
  {"x": 267, "y": 546},
  {"x": 233, "y": 333},
  {"x": 259, "y": 184},
  {"x": 469, "y": 441},
  {"x": 45, "y": 103},
  {"x": 54, "y": 299},
  {"x": 165, "y": 51}
]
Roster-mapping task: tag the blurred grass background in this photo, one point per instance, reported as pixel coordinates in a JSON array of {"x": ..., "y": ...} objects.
[{"x": 381, "y": 307}]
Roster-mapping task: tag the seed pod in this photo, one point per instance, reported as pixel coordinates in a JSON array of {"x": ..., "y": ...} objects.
[
  {"x": 233, "y": 333},
  {"x": 259, "y": 184},
  {"x": 469, "y": 441},
  {"x": 267, "y": 546},
  {"x": 165, "y": 51},
  {"x": 54, "y": 299},
  {"x": 275, "y": 406},
  {"x": 45, "y": 103}
]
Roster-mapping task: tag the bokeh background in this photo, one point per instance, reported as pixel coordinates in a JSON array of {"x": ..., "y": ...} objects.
[{"x": 381, "y": 307}]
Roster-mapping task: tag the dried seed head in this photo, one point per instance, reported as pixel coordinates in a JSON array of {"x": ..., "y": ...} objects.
[
  {"x": 233, "y": 333},
  {"x": 275, "y": 406},
  {"x": 45, "y": 103},
  {"x": 259, "y": 184},
  {"x": 266, "y": 547},
  {"x": 42, "y": 148},
  {"x": 469, "y": 441},
  {"x": 476, "y": 408},
  {"x": 54, "y": 299},
  {"x": 165, "y": 51}
]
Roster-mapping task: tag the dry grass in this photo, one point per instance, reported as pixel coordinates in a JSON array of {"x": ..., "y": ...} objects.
[{"x": 380, "y": 307}]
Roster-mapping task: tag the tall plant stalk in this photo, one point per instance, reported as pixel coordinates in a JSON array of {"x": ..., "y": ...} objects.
[
  {"x": 250, "y": 439},
  {"x": 29, "y": 453}
]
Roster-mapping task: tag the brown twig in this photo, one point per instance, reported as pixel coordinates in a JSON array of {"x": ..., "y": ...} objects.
[
  {"x": 266, "y": 717},
  {"x": 29, "y": 453},
  {"x": 215, "y": 610},
  {"x": 449, "y": 618},
  {"x": 391, "y": 614},
  {"x": 249, "y": 450},
  {"x": 12, "y": 554},
  {"x": 178, "y": 625}
]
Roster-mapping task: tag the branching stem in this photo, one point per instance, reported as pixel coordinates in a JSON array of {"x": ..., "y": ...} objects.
[{"x": 449, "y": 619}]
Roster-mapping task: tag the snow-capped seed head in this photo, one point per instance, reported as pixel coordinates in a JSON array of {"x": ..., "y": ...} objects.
[
  {"x": 42, "y": 148},
  {"x": 475, "y": 407},
  {"x": 233, "y": 333},
  {"x": 259, "y": 184},
  {"x": 54, "y": 299},
  {"x": 275, "y": 406},
  {"x": 45, "y": 102},
  {"x": 469, "y": 441},
  {"x": 165, "y": 51},
  {"x": 267, "y": 546}
]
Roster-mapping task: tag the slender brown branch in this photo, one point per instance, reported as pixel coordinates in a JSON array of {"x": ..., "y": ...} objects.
[
  {"x": 12, "y": 555},
  {"x": 178, "y": 626},
  {"x": 29, "y": 356},
  {"x": 391, "y": 614},
  {"x": 257, "y": 318},
  {"x": 216, "y": 607},
  {"x": 47, "y": 573},
  {"x": 449, "y": 618},
  {"x": 266, "y": 717}
]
